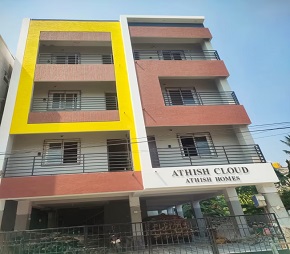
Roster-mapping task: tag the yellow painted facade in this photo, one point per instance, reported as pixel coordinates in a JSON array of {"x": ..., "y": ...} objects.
[{"x": 25, "y": 89}]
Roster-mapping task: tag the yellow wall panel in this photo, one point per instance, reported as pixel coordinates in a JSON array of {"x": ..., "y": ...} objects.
[{"x": 25, "y": 88}]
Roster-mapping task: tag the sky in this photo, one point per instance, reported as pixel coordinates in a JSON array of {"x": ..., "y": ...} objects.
[{"x": 252, "y": 37}]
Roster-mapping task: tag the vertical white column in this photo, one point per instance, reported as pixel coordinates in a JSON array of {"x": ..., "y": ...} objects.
[
  {"x": 244, "y": 136},
  {"x": 232, "y": 199},
  {"x": 223, "y": 85},
  {"x": 2, "y": 206},
  {"x": 6, "y": 141},
  {"x": 197, "y": 209},
  {"x": 135, "y": 97},
  {"x": 206, "y": 45},
  {"x": 23, "y": 213},
  {"x": 179, "y": 211},
  {"x": 274, "y": 203},
  {"x": 199, "y": 217},
  {"x": 233, "y": 202}
]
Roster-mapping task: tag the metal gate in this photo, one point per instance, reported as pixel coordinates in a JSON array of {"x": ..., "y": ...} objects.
[{"x": 217, "y": 235}]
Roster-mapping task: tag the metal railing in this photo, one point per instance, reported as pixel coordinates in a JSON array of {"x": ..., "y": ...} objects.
[
  {"x": 190, "y": 98},
  {"x": 211, "y": 155},
  {"x": 210, "y": 235},
  {"x": 71, "y": 104},
  {"x": 66, "y": 164},
  {"x": 175, "y": 55},
  {"x": 74, "y": 58}
]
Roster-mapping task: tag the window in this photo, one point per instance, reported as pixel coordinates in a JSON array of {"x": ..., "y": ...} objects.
[
  {"x": 198, "y": 144},
  {"x": 64, "y": 100},
  {"x": 181, "y": 96},
  {"x": 68, "y": 58},
  {"x": 173, "y": 54},
  {"x": 61, "y": 151}
]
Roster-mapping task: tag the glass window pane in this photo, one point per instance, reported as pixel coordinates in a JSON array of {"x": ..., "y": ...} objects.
[{"x": 202, "y": 145}]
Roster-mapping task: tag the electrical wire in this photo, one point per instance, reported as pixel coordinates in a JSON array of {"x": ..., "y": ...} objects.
[{"x": 22, "y": 151}]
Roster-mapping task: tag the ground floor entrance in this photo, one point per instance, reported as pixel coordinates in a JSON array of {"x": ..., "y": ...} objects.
[{"x": 150, "y": 221}]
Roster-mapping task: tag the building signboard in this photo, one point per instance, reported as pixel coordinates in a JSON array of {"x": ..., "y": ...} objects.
[{"x": 234, "y": 174}]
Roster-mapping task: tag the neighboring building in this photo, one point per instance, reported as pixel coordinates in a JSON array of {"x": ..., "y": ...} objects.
[
  {"x": 109, "y": 121},
  {"x": 6, "y": 63}
]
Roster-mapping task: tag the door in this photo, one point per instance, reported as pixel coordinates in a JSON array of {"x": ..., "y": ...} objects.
[
  {"x": 118, "y": 154},
  {"x": 153, "y": 152}
]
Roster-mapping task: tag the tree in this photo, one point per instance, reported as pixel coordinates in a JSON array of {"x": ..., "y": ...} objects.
[
  {"x": 286, "y": 142},
  {"x": 284, "y": 179}
]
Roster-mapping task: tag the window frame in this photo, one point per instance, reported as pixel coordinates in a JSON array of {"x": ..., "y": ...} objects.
[
  {"x": 47, "y": 142},
  {"x": 66, "y": 58},
  {"x": 211, "y": 146},
  {"x": 65, "y": 93},
  {"x": 196, "y": 100}
]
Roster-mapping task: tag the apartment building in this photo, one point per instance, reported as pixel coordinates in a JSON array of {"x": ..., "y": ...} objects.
[
  {"x": 6, "y": 63},
  {"x": 109, "y": 121}
]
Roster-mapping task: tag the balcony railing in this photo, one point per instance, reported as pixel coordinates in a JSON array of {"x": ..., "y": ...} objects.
[
  {"x": 68, "y": 164},
  {"x": 218, "y": 235},
  {"x": 75, "y": 104},
  {"x": 201, "y": 156},
  {"x": 74, "y": 58},
  {"x": 175, "y": 55},
  {"x": 191, "y": 98}
]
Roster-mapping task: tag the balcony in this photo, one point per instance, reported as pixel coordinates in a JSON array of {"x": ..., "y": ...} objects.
[
  {"x": 85, "y": 102},
  {"x": 67, "y": 164},
  {"x": 74, "y": 58},
  {"x": 74, "y": 67},
  {"x": 74, "y": 103},
  {"x": 175, "y": 55},
  {"x": 206, "y": 155},
  {"x": 187, "y": 97}
]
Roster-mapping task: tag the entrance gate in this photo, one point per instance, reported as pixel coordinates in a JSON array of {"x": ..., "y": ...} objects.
[{"x": 217, "y": 235}]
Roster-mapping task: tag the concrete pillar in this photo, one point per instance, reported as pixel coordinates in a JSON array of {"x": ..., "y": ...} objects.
[
  {"x": 274, "y": 203},
  {"x": 23, "y": 212},
  {"x": 223, "y": 85},
  {"x": 51, "y": 219},
  {"x": 244, "y": 136},
  {"x": 179, "y": 210},
  {"x": 239, "y": 222},
  {"x": 136, "y": 219},
  {"x": 233, "y": 202},
  {"x": 198, "y": 215},
  {"x": 206, "y": 45},
  {"x": 2, "y": 206},
  {"x": 7, "y": 214},
  {"x": 197, "y": 209}
]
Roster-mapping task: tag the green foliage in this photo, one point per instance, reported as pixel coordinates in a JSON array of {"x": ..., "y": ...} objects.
[
  {"x": 187, "y": 211},
  {"x": 285, "y": 196},
  {"x": 286, "y": 142},
  {"x": 215, "y": 207}
]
